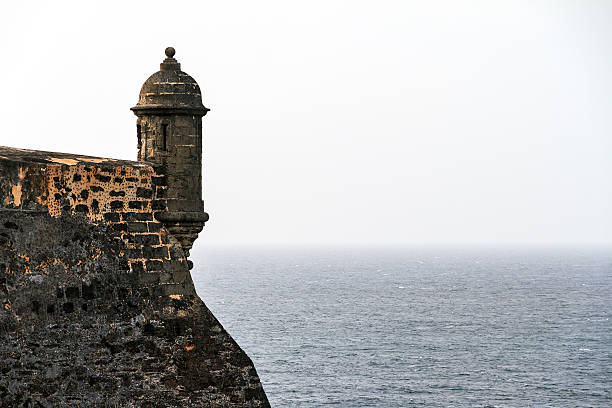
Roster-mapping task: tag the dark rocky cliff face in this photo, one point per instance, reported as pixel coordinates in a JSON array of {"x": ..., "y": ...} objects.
[{"x": 97, "y": 306}]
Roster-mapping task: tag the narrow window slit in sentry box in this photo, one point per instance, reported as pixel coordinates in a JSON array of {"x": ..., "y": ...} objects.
[
  {"x": 139, "y": 135},
  {"x": 164, "y": 136}
]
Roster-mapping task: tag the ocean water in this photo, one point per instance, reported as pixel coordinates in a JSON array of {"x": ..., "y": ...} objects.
[{"x": 418, "y": 328}]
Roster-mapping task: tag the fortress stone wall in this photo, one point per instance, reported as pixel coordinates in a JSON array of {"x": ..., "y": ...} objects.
[{"x": 97, "y": 304}]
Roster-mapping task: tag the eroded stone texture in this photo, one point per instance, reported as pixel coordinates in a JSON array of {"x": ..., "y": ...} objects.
[{"x": 97, "y": 305}]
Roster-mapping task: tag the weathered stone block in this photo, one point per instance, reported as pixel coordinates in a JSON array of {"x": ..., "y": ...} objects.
[
  {"x": 131, "y": 216},
  {"x": 137, "y": 205},
  {"x": 155, "y": 252},
  {"x": 146, "y": 239},
  {"x": 154, "y": 226},
  {"x": 158, "y": 204},
  {"x": 154, "y": 265},
  {"x": 112, "y": 217},
  {"x": 137, "y": 227},
  {"x": 142, "y": 192},
  {"x": 119, "y": 227}
]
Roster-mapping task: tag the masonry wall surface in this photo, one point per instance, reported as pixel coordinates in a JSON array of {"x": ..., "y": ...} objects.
[{"x": 97, "y": 305}]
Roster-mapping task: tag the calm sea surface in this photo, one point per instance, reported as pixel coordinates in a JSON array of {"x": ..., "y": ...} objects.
[{"x": 422, "y": 328}]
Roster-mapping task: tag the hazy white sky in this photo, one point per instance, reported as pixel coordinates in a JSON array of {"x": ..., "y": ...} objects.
[{"x": 343, "y": 122}]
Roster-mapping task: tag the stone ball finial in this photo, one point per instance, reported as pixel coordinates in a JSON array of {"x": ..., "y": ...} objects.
[{"x": 170, "y": 51}]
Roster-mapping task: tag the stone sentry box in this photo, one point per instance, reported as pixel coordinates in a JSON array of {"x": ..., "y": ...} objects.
[
  {"x": 97, "y": 304},
  {"x": 169, "y": 130}
]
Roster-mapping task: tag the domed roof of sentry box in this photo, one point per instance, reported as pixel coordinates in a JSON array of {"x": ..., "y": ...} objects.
[{"x": 170, "y": 90}]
